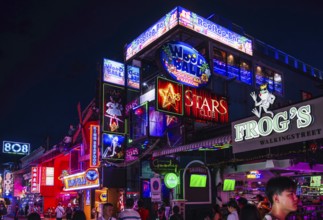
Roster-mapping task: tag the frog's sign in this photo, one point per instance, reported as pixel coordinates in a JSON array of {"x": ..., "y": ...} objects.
[{"x": 280, "y": 127}]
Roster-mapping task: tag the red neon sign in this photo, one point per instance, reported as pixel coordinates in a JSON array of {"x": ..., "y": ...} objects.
[{"x": 203, "y": 105}]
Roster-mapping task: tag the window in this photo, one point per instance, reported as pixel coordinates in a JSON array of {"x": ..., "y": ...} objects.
[
  {"x": 231, "y": 66},
  {"x": 272, "y": 78}
]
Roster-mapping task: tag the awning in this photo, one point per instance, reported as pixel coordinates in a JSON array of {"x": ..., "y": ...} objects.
[{"x": 214, "y": 142}]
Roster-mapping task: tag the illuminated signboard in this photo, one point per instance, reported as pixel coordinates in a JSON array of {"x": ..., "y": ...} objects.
[
  {"x": 203, "y": 105},
  {"x": 157, "y": 122},
  {"x": 113, "y": 72},
  {"x": 254, "y": 174},
  {"x": 113, "y": 147},
  {"x": 280, "y": 127},
  {"x": 7, "y": 183},
  {"x": 47, "y": 176},
  {"x": 139, "y": 118},
  {"x": 171, "y": 180},
  {"x": 13, "y": 147},
  {"x": 113, "y": 109},
  {"x": 169, "y": 96},
  {"x": 165, "y": 24},
  {"x": 185, "y": 64},
  {"x": 214, "y": 31},
  {"x": 83, "y": 180},
  {"x": 133, "y": 77},
  {"x": 94, "y": 146},
  {"x": 35, "y": 180},
  {"x": 190, "y": 20},
  {"x": 132, "y": 154}
]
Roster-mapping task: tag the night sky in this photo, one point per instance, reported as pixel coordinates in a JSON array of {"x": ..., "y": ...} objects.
[{"x": 49, "y": 51}]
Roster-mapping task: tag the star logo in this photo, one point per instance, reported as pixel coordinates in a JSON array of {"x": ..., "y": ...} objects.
[{"x": 169, "y": 96}]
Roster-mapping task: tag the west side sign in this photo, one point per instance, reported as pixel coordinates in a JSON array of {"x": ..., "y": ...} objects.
[{"x": 292, "y": 124}]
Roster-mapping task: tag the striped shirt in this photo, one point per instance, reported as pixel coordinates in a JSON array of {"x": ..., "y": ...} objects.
[{"x": 129, "y": 214}]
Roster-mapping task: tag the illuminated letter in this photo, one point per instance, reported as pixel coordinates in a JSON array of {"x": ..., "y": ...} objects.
[
  {"x": 304, "y": 116},
  {"x": 282, "y": 126},
  {"x": 261, "y": 129},
  {"x": 239, "y": 131},
  {"x": 251, "y": 130}
]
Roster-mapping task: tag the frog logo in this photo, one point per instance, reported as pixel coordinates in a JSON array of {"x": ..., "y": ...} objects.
[{"x": 266, "y": 99}]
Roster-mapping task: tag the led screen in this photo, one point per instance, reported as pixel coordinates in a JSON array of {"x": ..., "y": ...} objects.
[
  {"x": 113, "y": 146},
  {"x": 315, "y": 181},
  {"x": 113, "y": 109},
  {"x": 157, "y": 122},
  {"x": 133, "y": 77},
  {"x": 198, "y": 180},
  {"x": 113, "y": 72},
  {"x": 145, "y": 189},
  {"x": 229, "y": 185}
]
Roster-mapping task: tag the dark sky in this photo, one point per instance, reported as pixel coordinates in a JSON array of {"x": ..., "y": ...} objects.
[{"x": 49, "y": 50}]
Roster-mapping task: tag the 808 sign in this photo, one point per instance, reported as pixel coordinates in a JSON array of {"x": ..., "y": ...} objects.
[{"x": 15, "y": 148}]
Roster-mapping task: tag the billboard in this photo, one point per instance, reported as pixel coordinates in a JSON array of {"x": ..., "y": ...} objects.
[
  {"x": 13, "y": 147},
  {"x": 169, "y": 96},
  {"x": 133, "y": 77},
  {"x": 185, "y": 64},
  {"x": 83, "y": 180},
  {"x": 283, "y": 126},
  {"x": 113, "y": 119},
  {"x": 7, "y": 183},
  {"x": 204, "y": 105},
  {"x": 113, "y": 72},
  {"x": 214, "y": 31},
  {"x": 113, "y": 147},
  {"x": 161, "y": 27}
]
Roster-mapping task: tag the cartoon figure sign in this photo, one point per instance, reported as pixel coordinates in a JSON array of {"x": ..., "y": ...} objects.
[
  {"x": 266, "y": 99},
  {"x": 113, "y": 109}
]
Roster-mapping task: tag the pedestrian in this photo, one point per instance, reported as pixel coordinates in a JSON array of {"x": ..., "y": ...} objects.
[
  {"x": 33, "y": 216},
  {"x": 233, "y": 209},
  {"x": 3, "y": 209},
  {"x": 217, "y": 214},
  {"x": 161, "y": 213},
  {"x": 242, "y": 202},
  {"x": 26, "y": 209},
  {"x": 16, "y": 214},
  {"x": 59, "y": 211},
  {"x": 249, "y": 212},
  {"x": 79, "y": 215},
  {"x": 143, "y": 212},
  {"x": 69, "y": 211},
  {"x": 107, "y": 212},
  {"x": 281, "y": 192},
  {"x": 176, "y": 215},
  {"x": 129, "y": 212}
]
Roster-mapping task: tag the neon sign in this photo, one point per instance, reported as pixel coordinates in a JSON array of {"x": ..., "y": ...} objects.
[
  {"x": 169, "y": 96},
  {"x": 254, "y": 174},
  {"x": 35, "y": 180},
  {"x": 204, "y": 105},
  {"x": 185, "y": 64},
  {"x": 113, "y": 72},
  {"x": 190, "y": 20},
  {"x": 214, "y": 31},
  {"x": 285, "y": 126},
  {"x": 83, "y": 180},
  {"x": 13, "y": 147},
  {"x": 165, "y": 24},
  {"x": 94, "y": 144},
  {"x": 171, "y": 180}
]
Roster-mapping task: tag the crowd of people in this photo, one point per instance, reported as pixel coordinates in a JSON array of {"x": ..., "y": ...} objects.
[{"x": 280, "y": 200}]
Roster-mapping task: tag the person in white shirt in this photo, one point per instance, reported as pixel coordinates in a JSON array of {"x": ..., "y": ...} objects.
[
  {"x": 107, "y": 212},
  {"x": 59, "y": 211},
  {"x": 233, "y": 209}
]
